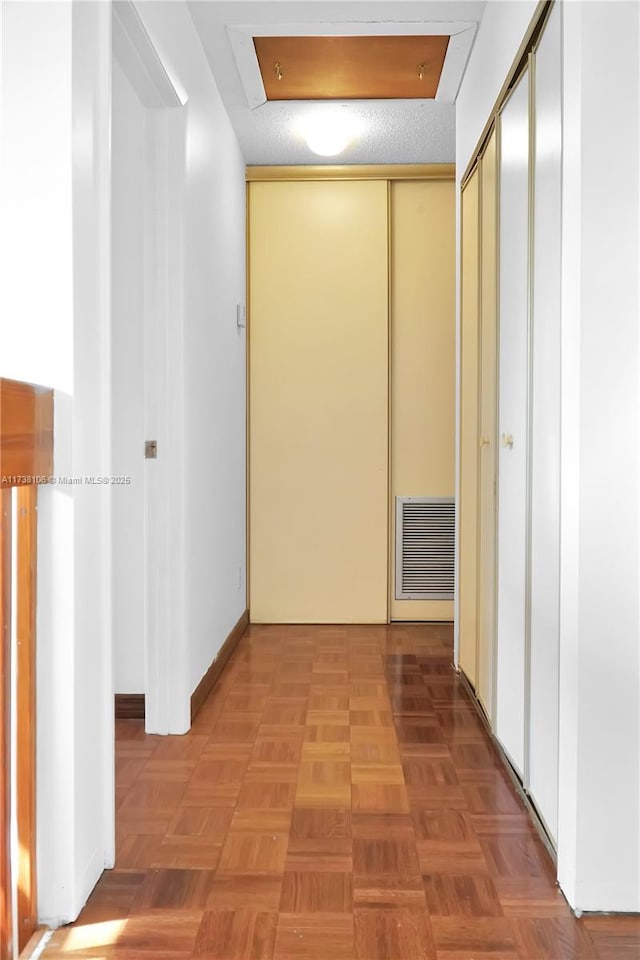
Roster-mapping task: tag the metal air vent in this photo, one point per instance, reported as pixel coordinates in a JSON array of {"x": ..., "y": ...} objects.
[{"x": 425, "y": 538}]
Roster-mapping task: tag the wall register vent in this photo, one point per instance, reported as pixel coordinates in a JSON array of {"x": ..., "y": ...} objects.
[{"x": 425, "y": 538}]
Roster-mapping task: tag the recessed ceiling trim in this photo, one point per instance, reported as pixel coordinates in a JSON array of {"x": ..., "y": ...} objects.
[
  {"x": 367, "y": 171},
  {"x": 454, "y": 64},
  {"x": 459, "y": 48}
]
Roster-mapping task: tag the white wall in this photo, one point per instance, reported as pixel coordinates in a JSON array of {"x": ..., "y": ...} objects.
[
  {"x": 599, "y": 829},
  {"x": 54, "y": 326},
  {"x": 56, "y": 330},
  {"x": 214, "y": 383},
  {"x": 128, "y": 153}
]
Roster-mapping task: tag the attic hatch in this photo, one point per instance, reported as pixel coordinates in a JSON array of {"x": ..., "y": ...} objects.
[{"x": 351, "y": 68}]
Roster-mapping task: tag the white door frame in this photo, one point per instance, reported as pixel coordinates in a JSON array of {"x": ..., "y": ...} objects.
[{"x": 167, "y": 702}]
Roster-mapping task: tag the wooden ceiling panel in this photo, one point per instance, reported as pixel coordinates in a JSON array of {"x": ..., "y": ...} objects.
[{"x": 350, "y": 68}]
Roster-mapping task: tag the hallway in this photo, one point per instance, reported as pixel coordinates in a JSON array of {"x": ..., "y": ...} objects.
[{"x": 336, "y": 798}]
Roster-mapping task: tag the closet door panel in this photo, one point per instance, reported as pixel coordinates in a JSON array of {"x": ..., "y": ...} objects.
[
  {"x": 513, "y": 422},
  {"x": 545, "y": 423},
  {"x": 468, "y": 509},
  {"x": 318, "y": 402},
  {"x": 422, "y": 357},
  {"x": 488, "y": 424}
]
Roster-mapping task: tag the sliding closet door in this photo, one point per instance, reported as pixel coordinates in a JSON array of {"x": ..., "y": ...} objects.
[
  {"x": 545, "y": 423},
  {"x": 468, "y": 524},
  {"x": 513, "y": 422},
  {"x": 318, "y": 402},
  {"x": 423, "y": 346},
  {"x": 487, "y": 410}
]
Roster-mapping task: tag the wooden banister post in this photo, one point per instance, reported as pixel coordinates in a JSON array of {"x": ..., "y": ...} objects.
[{"x": 26, "y": 460}]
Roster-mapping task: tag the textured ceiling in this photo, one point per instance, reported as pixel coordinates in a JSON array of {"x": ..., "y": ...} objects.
[{"x": 391, "y": 131}]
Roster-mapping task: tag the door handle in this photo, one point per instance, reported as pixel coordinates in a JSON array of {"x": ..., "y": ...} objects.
[
  {"x": 507, "y": 440},
  {"x": 484, "y": 441}
]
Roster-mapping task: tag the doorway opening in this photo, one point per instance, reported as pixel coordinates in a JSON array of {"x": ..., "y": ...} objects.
[{"x": 148, "y": 172}]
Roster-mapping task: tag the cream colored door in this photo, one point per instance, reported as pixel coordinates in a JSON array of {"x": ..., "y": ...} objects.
[
  {"x": 487, "y": 409},
  {"x": 422, "y": 357},
  {"x": 513, "y": 426},
  {"x": 468, "y": 522},
  {"x": 318, "y": 253}
]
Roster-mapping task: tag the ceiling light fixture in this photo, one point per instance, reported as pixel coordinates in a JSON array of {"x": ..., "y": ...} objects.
[{"x": 329, "y": 133}]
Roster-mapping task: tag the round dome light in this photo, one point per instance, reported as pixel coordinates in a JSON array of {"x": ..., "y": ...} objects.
[{"x": 329, "y": 134}]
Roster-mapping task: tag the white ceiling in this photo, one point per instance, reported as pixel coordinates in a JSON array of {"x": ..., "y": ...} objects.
[{"x": 391, "y": 131}]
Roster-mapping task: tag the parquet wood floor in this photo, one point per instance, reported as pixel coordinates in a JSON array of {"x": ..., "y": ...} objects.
[{"x": 336, "y": 799}]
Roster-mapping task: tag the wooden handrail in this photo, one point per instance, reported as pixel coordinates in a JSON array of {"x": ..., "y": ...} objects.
[
  {"x": 6, "y": 918},
  {"x": 26, "y": 459},
  {"x": 26, "y": 433}
]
